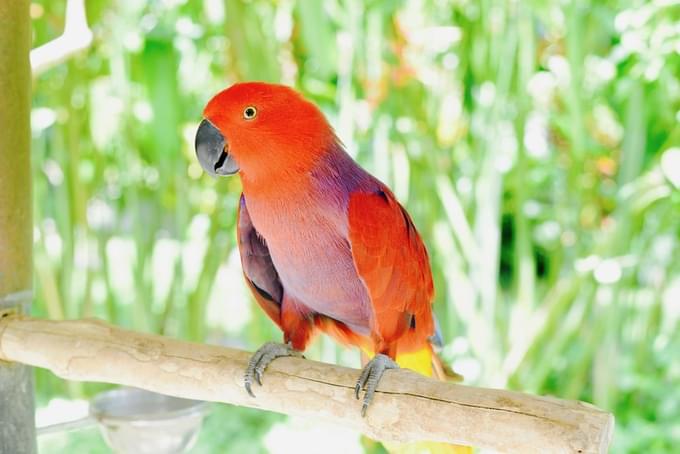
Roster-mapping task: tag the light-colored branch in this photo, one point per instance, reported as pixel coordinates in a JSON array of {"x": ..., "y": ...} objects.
[
  {"x": 77, "y": 36},
  {"x": 407, "y": 407}
]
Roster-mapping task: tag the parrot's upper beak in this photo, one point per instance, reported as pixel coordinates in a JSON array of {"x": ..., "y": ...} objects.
[{"x": 212, "y": 151}]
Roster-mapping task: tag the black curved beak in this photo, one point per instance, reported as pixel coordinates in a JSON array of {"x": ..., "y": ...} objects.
[{"x": 212, "y": 151}]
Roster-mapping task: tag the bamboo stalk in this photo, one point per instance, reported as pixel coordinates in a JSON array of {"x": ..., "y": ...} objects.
[
  {"x": 407, "y": 407},
  {"x": 17, "y": 432}
]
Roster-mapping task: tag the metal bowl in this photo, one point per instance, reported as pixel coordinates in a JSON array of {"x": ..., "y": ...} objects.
[{"x": 136, "y": 421}]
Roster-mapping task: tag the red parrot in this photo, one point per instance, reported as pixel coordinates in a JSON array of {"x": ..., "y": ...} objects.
[{"x": 324, "y": 245}]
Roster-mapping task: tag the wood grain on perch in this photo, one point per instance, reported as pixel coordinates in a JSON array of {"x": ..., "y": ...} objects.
[{"x": 407, "y": 407}]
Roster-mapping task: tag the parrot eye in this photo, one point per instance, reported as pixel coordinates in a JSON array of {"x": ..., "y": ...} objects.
[{"x": 249, "y": 113}]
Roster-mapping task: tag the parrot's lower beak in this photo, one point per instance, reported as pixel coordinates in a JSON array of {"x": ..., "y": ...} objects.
[{"x": 212, "y": 151}]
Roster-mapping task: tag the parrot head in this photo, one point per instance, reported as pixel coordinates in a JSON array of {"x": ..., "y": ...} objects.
[{"x": 261, "y": 130}]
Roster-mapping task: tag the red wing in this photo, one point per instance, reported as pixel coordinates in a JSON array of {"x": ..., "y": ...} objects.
[
  {"x": 392, "y": 261},
  {"x": 258, "y": 268}
]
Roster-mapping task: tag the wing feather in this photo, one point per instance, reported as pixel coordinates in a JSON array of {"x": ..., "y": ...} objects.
[
  {"x": 392, "y": 261},
  {"x": 258, "y": 268}
]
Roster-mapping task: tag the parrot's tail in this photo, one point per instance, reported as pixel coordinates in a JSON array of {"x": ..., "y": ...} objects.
[{"x": 426, "y": 362}]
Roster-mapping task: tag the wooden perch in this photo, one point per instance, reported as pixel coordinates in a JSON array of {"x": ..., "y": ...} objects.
[{"x": 407, "y": 407}]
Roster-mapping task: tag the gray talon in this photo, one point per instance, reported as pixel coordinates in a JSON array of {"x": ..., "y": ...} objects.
[
  {"x": 250, "y": 391},
  {"x": 370, "y": 377},
  {"x": 361, "y": 382},
  {"x": 262, "y": 358}
]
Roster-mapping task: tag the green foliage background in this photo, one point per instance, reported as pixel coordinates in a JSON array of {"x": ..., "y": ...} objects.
[{"x": 535, "y": 144}]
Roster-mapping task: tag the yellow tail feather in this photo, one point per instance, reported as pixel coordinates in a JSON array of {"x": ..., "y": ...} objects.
[{"x": 419, "y": 361}]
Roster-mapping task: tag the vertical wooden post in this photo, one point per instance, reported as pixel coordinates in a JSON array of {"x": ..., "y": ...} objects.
[{"x": 17, "y": 423}]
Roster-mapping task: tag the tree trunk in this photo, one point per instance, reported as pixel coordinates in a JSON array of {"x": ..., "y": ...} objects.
[{"x": 17, "y": 424}]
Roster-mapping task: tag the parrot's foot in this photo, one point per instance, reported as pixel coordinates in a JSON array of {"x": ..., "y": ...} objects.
[
  {"x": 370, "y": 377},
  {"x": 262, "y": 358}
]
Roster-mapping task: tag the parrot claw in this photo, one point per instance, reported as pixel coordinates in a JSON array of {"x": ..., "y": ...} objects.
[
  {"x": 262, "y": 358},
  {"x": 370, "y": 377}
]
